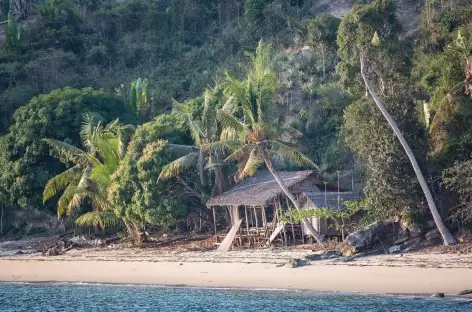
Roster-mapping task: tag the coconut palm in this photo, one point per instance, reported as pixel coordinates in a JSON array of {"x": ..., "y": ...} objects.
[
  {"x": 254, "y": 129},
  {"x": 446, "y": 235},
  {"x": 90, "y": 175},
  {"x": 205, "y": 133}
]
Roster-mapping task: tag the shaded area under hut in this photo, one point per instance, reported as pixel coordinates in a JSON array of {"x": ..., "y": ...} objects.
[{"x": 254, "y": 207}]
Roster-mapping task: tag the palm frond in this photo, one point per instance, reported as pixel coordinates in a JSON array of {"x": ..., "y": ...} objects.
[
  {"x": 91, "y": 126},
  {"x": 194, "y": 126},
  {"x": 227, "y": 120},
  {"x": 228, "y": 106},
  {"x": 102, "y": 219},
  {"x": 282, "y": 150},
  {"x": 67, "y": 151},
  {"x": 253, "y": 162},
  {"x": 241, "y": 153},
  {"x": 60, "y": 182},
  {"x": 224, "y": 146},
  {"x": 181, "y": 150},
  {"x": 178, "y": 166},
  {"x": 63, "y": 205}
]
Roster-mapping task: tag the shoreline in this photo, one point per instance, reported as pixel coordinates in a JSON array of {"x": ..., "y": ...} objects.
[{"x": 319, "y": 278}]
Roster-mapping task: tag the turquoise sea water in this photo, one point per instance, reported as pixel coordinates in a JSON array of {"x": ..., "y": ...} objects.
[{"x": 85, "y": 297}]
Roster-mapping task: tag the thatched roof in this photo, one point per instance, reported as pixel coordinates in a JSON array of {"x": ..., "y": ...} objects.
[
  {"x": 259, "y": 189},
  {"x": 330, "y": 200}
]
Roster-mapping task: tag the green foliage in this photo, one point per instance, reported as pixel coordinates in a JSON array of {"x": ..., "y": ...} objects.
[
  {"x": 458, "y": 179},
  {"x": 12, "y": 34},
  {"x": 254, "y": 14},
  {"x": 340, "y": 217},
  {"x": 391, "y": 188},
  {"x": 92, "y": 168},
  {"x": 322, "y": 36},
  {"x": 322, "y": 140},
  {"x": 26, "y": 160},
  {"x": 252, "y": 126},
  {"x": 356, "y": 31},
  {"x": 135, "y": 193}
]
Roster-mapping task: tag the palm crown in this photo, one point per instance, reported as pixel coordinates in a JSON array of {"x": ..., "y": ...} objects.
[
  {"x": 90, "y": 175},
  {"x": 205, "y": 133},
  {"x": 252, "y": 125}
]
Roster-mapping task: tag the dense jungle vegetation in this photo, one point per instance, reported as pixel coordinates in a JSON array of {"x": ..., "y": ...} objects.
[{"x": 122, "y": 114}]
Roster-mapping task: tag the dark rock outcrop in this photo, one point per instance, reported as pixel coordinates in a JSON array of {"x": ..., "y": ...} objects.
[{"x": 378, "y": 232}]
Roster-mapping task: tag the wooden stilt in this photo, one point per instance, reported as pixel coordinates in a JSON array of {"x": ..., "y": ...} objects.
[
  {"x": 291, "y": 221},
  {"x": 293, "y": 230},
  {"x": 264, "y": 220},
  {"x": 214, "y": 221},
  {"x": 257, "y": 222},
  {"x": 247, "y": 226}
]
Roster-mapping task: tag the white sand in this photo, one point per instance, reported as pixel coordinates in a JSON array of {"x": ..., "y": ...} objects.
[{"x": 322, "y": 277}]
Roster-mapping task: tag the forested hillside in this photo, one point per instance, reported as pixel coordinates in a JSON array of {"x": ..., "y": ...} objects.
[{"x": 113, "y": 112}]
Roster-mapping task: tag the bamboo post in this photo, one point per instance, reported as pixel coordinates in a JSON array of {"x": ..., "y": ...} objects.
[
  {"x": 200, "y": 222},
  {"x": 257, "y": 223},
  {"x": 247, "y": 225},
  {"x": 214, "y": 219},
  {"x": 291, "y": 222},
  {"x": 264, "y": 220},
  {"x": 1, "y": 222},
  {"x": 285, "y": 233}
]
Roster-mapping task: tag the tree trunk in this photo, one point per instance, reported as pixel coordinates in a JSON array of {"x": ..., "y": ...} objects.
[
  {"x": 446, "y": 235},
  {"x": 1, "y": 222},
  {"x": 307, "y": 223},
  {"x": 219, "y": 186}
]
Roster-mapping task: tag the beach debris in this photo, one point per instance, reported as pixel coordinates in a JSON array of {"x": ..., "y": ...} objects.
[
  {"x": 437, "y": 295},
  {"x": 402, "y": 237},
  {"x": 295, "y": 263},
  {"x": 465, "y": 292},
  {"x": 433, "y": 237},
  {"x": 330, "y": 254},
  {"x": 84, "y": 241},
  {"x": 415, "y": 231},
  {"x": 394, "y": 249}
]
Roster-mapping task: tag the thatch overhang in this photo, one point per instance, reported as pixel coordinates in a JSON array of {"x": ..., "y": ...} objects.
[{"x": 260, "y": 189}]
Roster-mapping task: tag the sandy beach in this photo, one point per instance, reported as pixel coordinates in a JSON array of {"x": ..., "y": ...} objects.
[{"x": 414, "y": 273}]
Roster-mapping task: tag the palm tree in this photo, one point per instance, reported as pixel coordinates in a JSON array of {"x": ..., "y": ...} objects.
[
  {"x": 90, "y": 175},
  {"x": 446, "y": 235},
  {"x": 205, "y": 133},
  {"x": 253, "y": 128}
]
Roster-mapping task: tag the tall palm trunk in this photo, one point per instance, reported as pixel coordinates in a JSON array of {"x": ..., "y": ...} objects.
[
  {"x": 306, "y": 222},
  {"x": 446, "y": 235},
  {"x": 220, "y": 182}
]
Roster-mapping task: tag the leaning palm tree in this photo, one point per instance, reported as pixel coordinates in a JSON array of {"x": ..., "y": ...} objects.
[
  {"x": 91, "y": 172},
  {"x": 448, "y": 239},
  {"x": 204, "y": 132},
  {"x": 253, "y": 128}
]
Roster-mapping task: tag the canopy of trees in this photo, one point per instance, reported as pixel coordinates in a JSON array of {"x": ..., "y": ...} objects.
[{"x": 210, "y": 102}]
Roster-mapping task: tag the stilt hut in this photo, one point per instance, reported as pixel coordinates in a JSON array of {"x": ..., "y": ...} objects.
[{"x": 255, "y": 207}]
